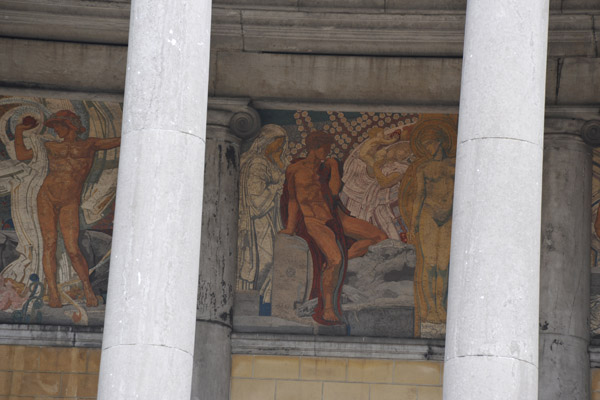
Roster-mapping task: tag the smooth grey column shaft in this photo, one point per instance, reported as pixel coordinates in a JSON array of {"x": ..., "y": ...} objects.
[
  {"x": 148, "y": 337},
  {"x": 565, "y": 269},
  {"x": 218, "y": 260},
  {"x": 492, "y": 325}
]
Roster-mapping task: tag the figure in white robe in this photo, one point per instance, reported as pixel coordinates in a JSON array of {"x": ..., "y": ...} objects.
[
  {"x": 372, "y": 173},
  {"x": 262, "y": 173},
  {"x": 24, "y": 188}
]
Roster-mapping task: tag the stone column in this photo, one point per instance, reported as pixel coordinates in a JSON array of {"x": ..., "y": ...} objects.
[
  {"x": 148, "y": 342},
  {"x": 565, "y": 263},
  {"x": 218, "y": 255},
  {"x": 492, "y": 326}
]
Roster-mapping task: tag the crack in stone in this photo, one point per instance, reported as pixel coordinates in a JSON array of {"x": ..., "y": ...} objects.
[
  {"x": 494, "y": 356},
  {"x": 559, "y": 66},
  {"x": 147, "y": 344},
  {"x": 498, "y": 137},
  {"x": 594, "y": 36},
  {"x": 167, "y": 130}
]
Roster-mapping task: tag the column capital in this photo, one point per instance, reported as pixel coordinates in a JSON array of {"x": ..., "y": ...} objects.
[
  {"x": 587, "y": 130},
  {"x": 590, "y": 133},
  {"x": 242, "y": 120}
]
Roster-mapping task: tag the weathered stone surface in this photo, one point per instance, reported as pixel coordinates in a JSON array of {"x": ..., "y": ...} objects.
[
  {"x": 62, "y": 65},
  {"x": 331, "y": 346},
  {"x": 180, "y": 39},
  {"x": 457, "y": 6},
  {"x": 564, "y": 371},
  {"x": 565, "y": 268},
  {"x": 356, "y": 5},
  {"x": 491, "y": 285},
  {"x": 212, "y": 362},
  {"x": 578, "y": 81},
  {"x": 292, "y": 277},
  {"x": 347, "y": 33},
  {"x": 492, "y": 333},
  {"x": 148, "y": 346},
  {"x": 246, "y": 303},
  {"x": 305, "y": 77},
  {"x": 578, "y": 5},
  {"x": 565, "y": 258},
  {"x": 242, "y": 323},
  {"x": 381, "y": 321},
  {"x": 218, "y": 251},
  {"x": 172, "y": 369},
  {"x": 515, "y": 377},
  {"x": 147, "y": 266},
  {"x": 262, "y": 4},
  {"x": 83, "y": 21}
]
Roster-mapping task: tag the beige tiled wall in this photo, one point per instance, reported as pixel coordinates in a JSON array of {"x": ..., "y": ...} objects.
[
  {"x": 309, "y": 378},
  {"x": 28, "y": 372},
  {"x": 595, "y": 384}
]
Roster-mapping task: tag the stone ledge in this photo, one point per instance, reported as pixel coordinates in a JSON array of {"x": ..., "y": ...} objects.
[
  {"x": 594, "y": 350},
  {"x": 344, "y": 28},
  {"x": 337, "y": 346},
  {"x": 50, "y": 335}
]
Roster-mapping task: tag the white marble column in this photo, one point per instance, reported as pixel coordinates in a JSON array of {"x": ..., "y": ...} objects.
[
  {"x": 148, "y": 341},
  {"x": 492, "y": 325},
  {"x": 565, "y": 263},
  {"x": 218, "y": 257}
]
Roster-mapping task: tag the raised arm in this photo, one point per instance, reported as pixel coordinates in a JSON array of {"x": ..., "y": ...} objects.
[
  {"x": 106, "y": 144},
  {"x": 22, "y": 152}
]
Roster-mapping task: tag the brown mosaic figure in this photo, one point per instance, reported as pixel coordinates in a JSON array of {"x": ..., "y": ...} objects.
[
  {"x": 59, "y": 198},
  {"x": 315, "y": 213}
]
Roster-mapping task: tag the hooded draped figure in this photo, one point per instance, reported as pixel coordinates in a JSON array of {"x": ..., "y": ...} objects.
[{"x": 262, "y": 172}]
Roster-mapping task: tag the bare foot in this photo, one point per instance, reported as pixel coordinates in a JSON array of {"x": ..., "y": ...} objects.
[
  {"x": 91, "y": 300},
  {"x": 54, "y": 302},
  {"x": 433, "y": 317},
  {"x": 329, "y": 315}
]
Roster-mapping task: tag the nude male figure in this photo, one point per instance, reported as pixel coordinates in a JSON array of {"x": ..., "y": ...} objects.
[
  {"x": 432, "y": 222},
  {"x": 307, "y": 198},
  {"x": 59, "y": 197}
]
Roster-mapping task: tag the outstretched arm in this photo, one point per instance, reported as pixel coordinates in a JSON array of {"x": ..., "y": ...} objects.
[{"x": 106, "y": 144}]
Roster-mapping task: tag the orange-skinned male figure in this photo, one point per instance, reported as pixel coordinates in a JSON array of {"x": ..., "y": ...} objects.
[
  {"x": 312, "y": 186},
  {"x": 59, "y": 197}
]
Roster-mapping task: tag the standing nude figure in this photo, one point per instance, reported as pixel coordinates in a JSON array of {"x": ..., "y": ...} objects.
[
  {"x": 431, "y": 182},
  {"x": 59, "y": 197},
  {"x": 313, "y": 185}
]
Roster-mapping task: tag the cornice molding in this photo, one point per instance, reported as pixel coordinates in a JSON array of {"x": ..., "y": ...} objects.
[
  {"x": 344, "y": 30},
  {"x": 337, "y": 346}
]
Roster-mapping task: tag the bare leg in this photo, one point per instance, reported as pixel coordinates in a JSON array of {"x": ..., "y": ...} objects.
[
  {"x": 443, "y": 261},
  {"x": 48, "y": 218},
  {"x": 325, "y": 239},
  {"x": 69, "y": 226},
  {"x": 365, "y": 234},
  {"x": 431, "y": 239}
]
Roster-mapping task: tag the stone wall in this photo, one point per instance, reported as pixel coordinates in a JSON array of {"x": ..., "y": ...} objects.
[
  {"x": 327, "y": 378},
  {"x": 28, "y": 372}
]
